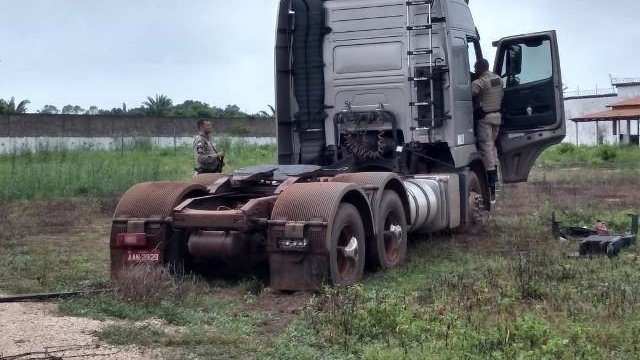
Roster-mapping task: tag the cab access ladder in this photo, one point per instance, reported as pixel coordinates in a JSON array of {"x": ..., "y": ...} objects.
[{"x": 423, "y": 100}]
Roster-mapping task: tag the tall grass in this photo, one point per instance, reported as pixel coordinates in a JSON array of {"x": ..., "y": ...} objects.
[{"x": 59, "y": 172}]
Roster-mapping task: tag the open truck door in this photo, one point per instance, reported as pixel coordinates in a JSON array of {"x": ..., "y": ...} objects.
[{"x": 533, "y": 109}]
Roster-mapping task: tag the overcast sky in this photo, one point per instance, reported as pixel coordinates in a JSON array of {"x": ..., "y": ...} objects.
[{"x": 103, "y": 53}]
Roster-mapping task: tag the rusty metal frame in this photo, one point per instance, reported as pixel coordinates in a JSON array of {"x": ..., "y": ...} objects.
[{"x": 247, "y": 218}]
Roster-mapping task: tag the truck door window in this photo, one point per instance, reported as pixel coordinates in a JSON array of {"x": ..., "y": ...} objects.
[
  {"x": 473, "y": 54},
  {"x": 535, "y": 63}
]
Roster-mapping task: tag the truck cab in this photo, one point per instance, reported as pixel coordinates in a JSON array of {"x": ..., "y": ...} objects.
[{"x": 385, "y": 85}]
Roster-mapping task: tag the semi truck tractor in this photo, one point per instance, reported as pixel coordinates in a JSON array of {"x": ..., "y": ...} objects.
[{"x": 376, "y": 142}]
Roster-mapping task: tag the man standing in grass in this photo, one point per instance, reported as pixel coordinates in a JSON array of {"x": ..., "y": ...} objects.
[{"x": 208, "y": 158}]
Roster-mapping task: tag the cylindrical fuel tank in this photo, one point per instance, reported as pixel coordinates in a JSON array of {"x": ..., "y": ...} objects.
[
  {"x": 424, "y": 201},
  {"x": 218, "y": 245}
]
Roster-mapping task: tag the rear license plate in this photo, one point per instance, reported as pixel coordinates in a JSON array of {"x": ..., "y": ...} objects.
[{"x": 143, "y": 256}]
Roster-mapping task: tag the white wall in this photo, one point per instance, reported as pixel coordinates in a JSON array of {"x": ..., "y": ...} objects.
[
  {"x": 8, "y": 145},
  {"x": 625, "y": 92}
]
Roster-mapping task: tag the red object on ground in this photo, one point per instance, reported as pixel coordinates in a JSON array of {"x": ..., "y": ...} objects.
[{"x": 602, "y": 228}]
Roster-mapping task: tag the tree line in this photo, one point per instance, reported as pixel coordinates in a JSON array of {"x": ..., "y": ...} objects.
[{"x": 159, "y": 105}]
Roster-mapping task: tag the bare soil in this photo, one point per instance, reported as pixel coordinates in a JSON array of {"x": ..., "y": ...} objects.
[{"x": 36, "y": 328}]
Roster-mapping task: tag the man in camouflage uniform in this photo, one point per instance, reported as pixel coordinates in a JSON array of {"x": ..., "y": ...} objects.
[
  {"x": 208, "y": 158},
  {"x": 488, "y": 94}
]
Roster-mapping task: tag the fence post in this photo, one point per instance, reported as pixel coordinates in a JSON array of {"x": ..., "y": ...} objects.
[
  {"x": 12, "y": 143},
  {"x": 175, "y": 147}
]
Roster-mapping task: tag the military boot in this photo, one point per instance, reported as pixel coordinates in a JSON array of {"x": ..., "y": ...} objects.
[{"x": 492, "y": 177}]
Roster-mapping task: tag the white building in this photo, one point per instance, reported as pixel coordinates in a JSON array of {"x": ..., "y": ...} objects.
[{"x": 581, "y": 103}]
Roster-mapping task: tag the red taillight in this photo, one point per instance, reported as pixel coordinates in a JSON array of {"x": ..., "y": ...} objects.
[{"x": 131, "y": 240}]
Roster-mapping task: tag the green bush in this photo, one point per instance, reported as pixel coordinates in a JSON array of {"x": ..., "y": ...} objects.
[
  {"x": 566, "y": 148},
  {"x": 606, "y": 153}
]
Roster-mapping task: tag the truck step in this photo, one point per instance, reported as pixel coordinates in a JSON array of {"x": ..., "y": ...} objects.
[
  {"x": 434, "y": 21},
  {"x": 420, "y": 52},
  {"x": 437, "y": 122},
  {"x": 419, "y": 3},
  {"x": 423, "y": 75},
  {"x": 419, "y": 27},
  {"x": 421, "y": 103}
]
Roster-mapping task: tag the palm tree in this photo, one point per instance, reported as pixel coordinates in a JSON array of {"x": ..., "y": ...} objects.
[
  {"x": 10, "y": 107},
  {"x": 159, "y": 106},
  {"x": 271, "y": 113}
]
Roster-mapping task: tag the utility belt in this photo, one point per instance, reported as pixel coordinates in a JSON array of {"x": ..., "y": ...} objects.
[
  {"x": 211, "y": 168},
  {"x": 479, "y": 113},
  {"x": 207, "y": 171}
]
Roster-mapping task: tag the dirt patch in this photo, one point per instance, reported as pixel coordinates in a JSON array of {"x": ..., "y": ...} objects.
[
  {"x": 36, "y": 328},
  {"x": 23, "y": 219},
  {"x": 278, "y": 310}
]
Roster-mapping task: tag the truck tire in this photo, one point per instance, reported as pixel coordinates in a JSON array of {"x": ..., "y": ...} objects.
[
  {"x": 347, "y": 252},
  {"x": 475, "y": 208},
  {"x": 390, "y": 247}
]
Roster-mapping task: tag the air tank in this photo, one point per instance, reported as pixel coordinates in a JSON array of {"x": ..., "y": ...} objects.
[{"x": 434, "y": 201}]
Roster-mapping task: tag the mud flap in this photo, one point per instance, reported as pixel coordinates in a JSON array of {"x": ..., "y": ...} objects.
[{"x": 298, "y": 272}]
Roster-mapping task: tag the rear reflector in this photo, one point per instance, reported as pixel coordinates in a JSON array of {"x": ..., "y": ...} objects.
[{"x": 132, "y": 240}]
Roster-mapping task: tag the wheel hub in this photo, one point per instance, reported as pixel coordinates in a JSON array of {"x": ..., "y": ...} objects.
[
  {"x": 351, "y": 250},
  {"x": 394, "y": 233},
  {"x": 477, "y": 206}
]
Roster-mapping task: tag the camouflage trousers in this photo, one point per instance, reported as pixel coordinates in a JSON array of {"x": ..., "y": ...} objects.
[{"x": 488, "y": 131}]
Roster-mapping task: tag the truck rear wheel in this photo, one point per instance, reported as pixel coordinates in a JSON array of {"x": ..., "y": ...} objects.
[
  {"x": 475, "y": 206},
  {"x": 390, "y": 248},
  {"x": 347, "y": 253}
]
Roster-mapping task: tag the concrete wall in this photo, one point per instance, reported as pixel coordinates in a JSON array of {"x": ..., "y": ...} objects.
[
  {"x": 36, "y": 132},
  {"x": 84, "y": 126},
  {"x": 29, "y": 130}
]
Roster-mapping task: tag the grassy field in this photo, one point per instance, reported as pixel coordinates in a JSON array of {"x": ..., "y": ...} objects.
[
  {"x": 60, "y": 173},
  {"x": 509, "y": 293}
]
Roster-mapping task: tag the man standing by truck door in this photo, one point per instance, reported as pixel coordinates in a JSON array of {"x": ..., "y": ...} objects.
[
  {"x": 208, "y": 158},
  {"x": 488, "y": 93}
]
